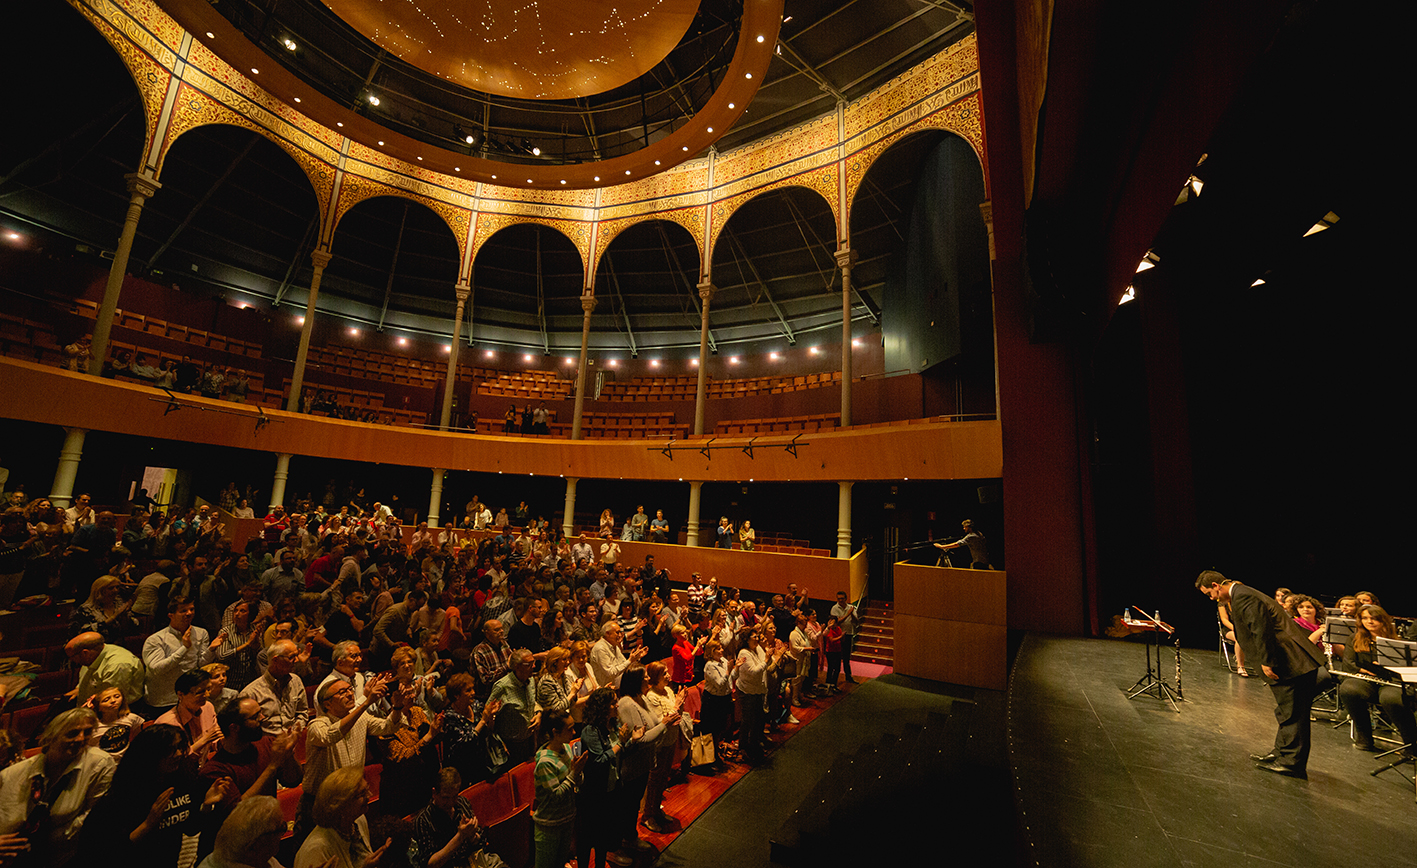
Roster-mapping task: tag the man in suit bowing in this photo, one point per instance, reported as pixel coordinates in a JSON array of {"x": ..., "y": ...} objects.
[{"x": 1290, "y": 662}]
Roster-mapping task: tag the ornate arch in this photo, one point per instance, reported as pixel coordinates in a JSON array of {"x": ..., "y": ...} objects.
[
  {"x": 821, "y": 180},
  {"x": 193, "y": 109},
  {"x": 691, "y": 219},
  {"x": 355, "y": 189},
  {"x": 576, "y": 231},
  {"x": 964, "y": 119},
  {"x": 139, "y": 50}
]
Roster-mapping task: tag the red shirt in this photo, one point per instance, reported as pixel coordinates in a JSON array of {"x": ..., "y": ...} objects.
[{"x": 682, "y": 665}]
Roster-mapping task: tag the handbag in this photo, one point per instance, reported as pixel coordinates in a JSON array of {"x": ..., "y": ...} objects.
[{"x": 701, "y": 750}]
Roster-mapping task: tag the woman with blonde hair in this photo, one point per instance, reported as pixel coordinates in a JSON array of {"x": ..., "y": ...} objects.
[
  {"x": 341, "y": 834},
  {"x": 103, "y": 613}
]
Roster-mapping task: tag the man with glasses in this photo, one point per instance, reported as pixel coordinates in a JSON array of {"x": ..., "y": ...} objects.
[
  {"x": 250, "y": 758},
  {"x": 335, "y": 739},
  {"x": 280, "y": 692}
]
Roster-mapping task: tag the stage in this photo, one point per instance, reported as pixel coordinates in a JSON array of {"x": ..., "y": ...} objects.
[{"x": 1103, "y": 780}]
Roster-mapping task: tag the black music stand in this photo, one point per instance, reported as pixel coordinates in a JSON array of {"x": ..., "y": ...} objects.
[
  {"x": 1397, "y": 658},
  {"x": 1151, "y": 684}
]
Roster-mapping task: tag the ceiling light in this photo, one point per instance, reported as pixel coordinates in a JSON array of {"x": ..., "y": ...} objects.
[
  {"x": 487, "y": 354},
  {"x": 563, "y": 180},
  {"x": 627, "y": 171},
  {"x": 381, "y": 144},
  {"x": 527, "y": 357},
  {"x": 536, "y": 152},
  {"x": 730, "y": 105},
  {"x": 528, "y": 180},
  {"x": 420, "y": 159},
  {"x": 403, "y": 342},
  {"x": 339, "y": 123},
  {"x": 856, "y": 342},
  {"x": 710, "y": 129},
  {"x": 211, "y": 35},
  {"x": 773, "y": 356},
  {"x": 694, "y": 362},
  {"x": 813, "y": 351},
  {"x": 354, "y": 332},
  {"x": 297, "y": 99},
  {"x": 656, "y": 162},
  {"x": 1150, "y": 260},
  {"x": 760, "y": 39},
  {"x": 494, "y": 177},
  {"x": 289, "y": 44},
  {"x": 373, "y": 100},
  {"x": 1328, "y": 220},
  {"x": 654, "y": 363},
  {"x": 447, "y": 348},
  {"x": 13, "y": 236},
  {"x": 1259, "y": 281},
  {"x": 1196, "y": 184},
  {"x": 255, "y": 71},
  {"x": 597, "y": 177},
  {"x": 732, "y": 360},
  {"x": 570, "y": 361},
  {"x": 612, "y": 363},
  {"x": 685, "y": 148},
  {"x": 1129, "y": 295},
  {"x": 747, "y": 75},
  {"x": 457, "y": 168},
  {"x": 300, "y": 320}
]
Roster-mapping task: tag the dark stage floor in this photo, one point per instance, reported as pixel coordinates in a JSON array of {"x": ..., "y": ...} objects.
[{"x": 1104, "y": 781}]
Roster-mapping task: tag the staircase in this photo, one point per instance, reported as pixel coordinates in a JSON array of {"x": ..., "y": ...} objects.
[{"x": 875, "y": 636}]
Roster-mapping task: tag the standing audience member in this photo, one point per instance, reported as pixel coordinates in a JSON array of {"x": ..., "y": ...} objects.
[
  {"x": 517, "y": 717},
  {"x": 250, "y": 836},
  {"x": 254, "y": 761},
  {"x": 446, "y": 833},
  {"x": 179, "y": 647},
  {"x": 336, "y": 739},
  {"x": 845, "y": 614},
  {"x": 102, "y": 665},
  {"x": 341, "y": 835},
  {"x": 556, "y": 774},
  {"x": 193, "y": 714},
  {"x": 280, "y": 692},
  {"x": 46, "y": 798},
  {"x": 637, "y": 761}
]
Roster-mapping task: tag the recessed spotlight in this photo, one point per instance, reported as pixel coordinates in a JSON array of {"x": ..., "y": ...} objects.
[
  {"x": 570, "y": 361},
  {"x": 774, "y": 356},
  {"x": 494, "y": 177},
  {"x": 487, "y": 354},
  {"x": 457, "y": 168},
  {"x": 527, "y": 357},
  {"x": 528, "y": 180},
  {"x": 656, "y": 162},
  {"x": 255, "y": 71},
  {"x": 813, "y": 351},
  {"x": 300, "y": 320},
  {"x": 627, "y": 171},
  {"x": 710, "y": 129},
  {"x": 211, "y": 35},
  {"x": 563, "y": 180},
  {"x": 747, "y": 75},
  {"x": 381, "y": 144},
  {"x": 339, "y": 123},
  {"x": 760, "y": 39},
  {"x": 420, "y": 159},
  {"x": 297, "y": 99},
  {"x": 685, "y": 148},
  {"x": 731, "y": 105},
  {"x": 613, "y": 363},
  {"x": 354, "y": 332},
  {"x": 733, "y": 360},
  {"x": 694, "y": 362},
  {"x": 654, "y": 363},
  {"x": 597, "y": 177},
  {"x": 403, "y": 342},
  {"x": 856, "y": 342},
  {"x": 447, "y": 348}
]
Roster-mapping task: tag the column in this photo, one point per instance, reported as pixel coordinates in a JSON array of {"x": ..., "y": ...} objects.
[
  {"x": 463, "y": 292},
  {"x": 843, "y": 519},
  {"x": 61, "y": 493},
  {"x": 701, "y": 393},
  {"x": 845, "y": 257},
  {"x": 435, "y": 497},
  {"x": 282, "y": 474},
  {"x": 695, "y": 489},
  {"x": 587, "y": 305},
  {"x": 140, "y": 189},
  {"x": 320, "y": 259},
  {"x": 568, "y": 518}
]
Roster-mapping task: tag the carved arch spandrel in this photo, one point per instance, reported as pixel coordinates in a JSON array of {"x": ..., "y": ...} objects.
[
  {"x": 821, "y": 180},
  {"x": 355, "y": 189},
  {"x": 149, "y": 75},
  {"x": 576, "y": 231}
]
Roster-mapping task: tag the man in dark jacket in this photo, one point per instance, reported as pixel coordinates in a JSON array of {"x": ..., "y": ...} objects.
[{"x": 1290, "y": 662}]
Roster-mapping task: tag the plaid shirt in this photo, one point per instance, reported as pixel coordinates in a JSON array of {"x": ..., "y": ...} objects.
[
  {"x": 433, "y": 829},
  {"x": 491, "y": 664}
]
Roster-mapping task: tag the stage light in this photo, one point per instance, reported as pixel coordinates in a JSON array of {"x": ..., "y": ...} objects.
[
  {"x": 732, "y": 360},
  {"x": 1129, "y": 295},
  {"x": 487, "y": 354},
  {"x": 856, "y": 342},
  {"x": 373, "y": 100},
  {"x": 289, "y": 44},
  {"x": 654, "y": 363},
  {"x": 1328, "y": 220},
  {"x": 813, "y": 350},
  {"x": 300, "y": 320},
  {"x": 773, "y": 356},
  {"x": 527, "y": 357},
  {"x": 1259, "y": 281},
  {"x": 447, "y": 348},
  {"x": 354, "y": 333}
]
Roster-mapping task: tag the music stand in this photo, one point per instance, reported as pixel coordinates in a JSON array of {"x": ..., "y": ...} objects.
[
  {"x": 1396, "y": 660},
  {"x": 1151, "y": 683}
]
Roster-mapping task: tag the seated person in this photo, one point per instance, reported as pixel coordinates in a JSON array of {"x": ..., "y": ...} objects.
[{"x": 1356, "y": 694}]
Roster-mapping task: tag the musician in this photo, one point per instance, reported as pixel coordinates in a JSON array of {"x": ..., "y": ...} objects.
[
  {"x": 1287, "y": 657},
  {"x": 1356, "y": 693}
]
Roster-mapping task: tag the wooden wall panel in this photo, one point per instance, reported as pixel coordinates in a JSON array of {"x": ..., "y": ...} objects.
[
  {"x": 951, "y": 625},
  {"x": 956, "y": 652},
  {"x": 954, "y": 594}
]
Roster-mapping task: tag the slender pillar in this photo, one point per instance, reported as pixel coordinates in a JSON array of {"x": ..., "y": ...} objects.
[
  {"x": 568, "y": 518},
  {"x": 435, "y": 497},
  {"x": 587, "y": 305},
  {"x": 61, "y": 493},
  {"x": 463, "y": 292},
  {"x": 320, "y": 259},
  {"x": 140, "y": 189},
  {"x": 986, "y": 210},
  {"x": 282, "y": 474},
  {"x": 845, "y": 257},
  {"x": 843, "y": 519},
  {"x": 692, "y": 530},
  {"x": 701, "y": 393}
]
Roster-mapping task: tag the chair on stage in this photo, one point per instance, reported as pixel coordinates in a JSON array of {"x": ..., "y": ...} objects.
[{"x": 1229, "y": 654}]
